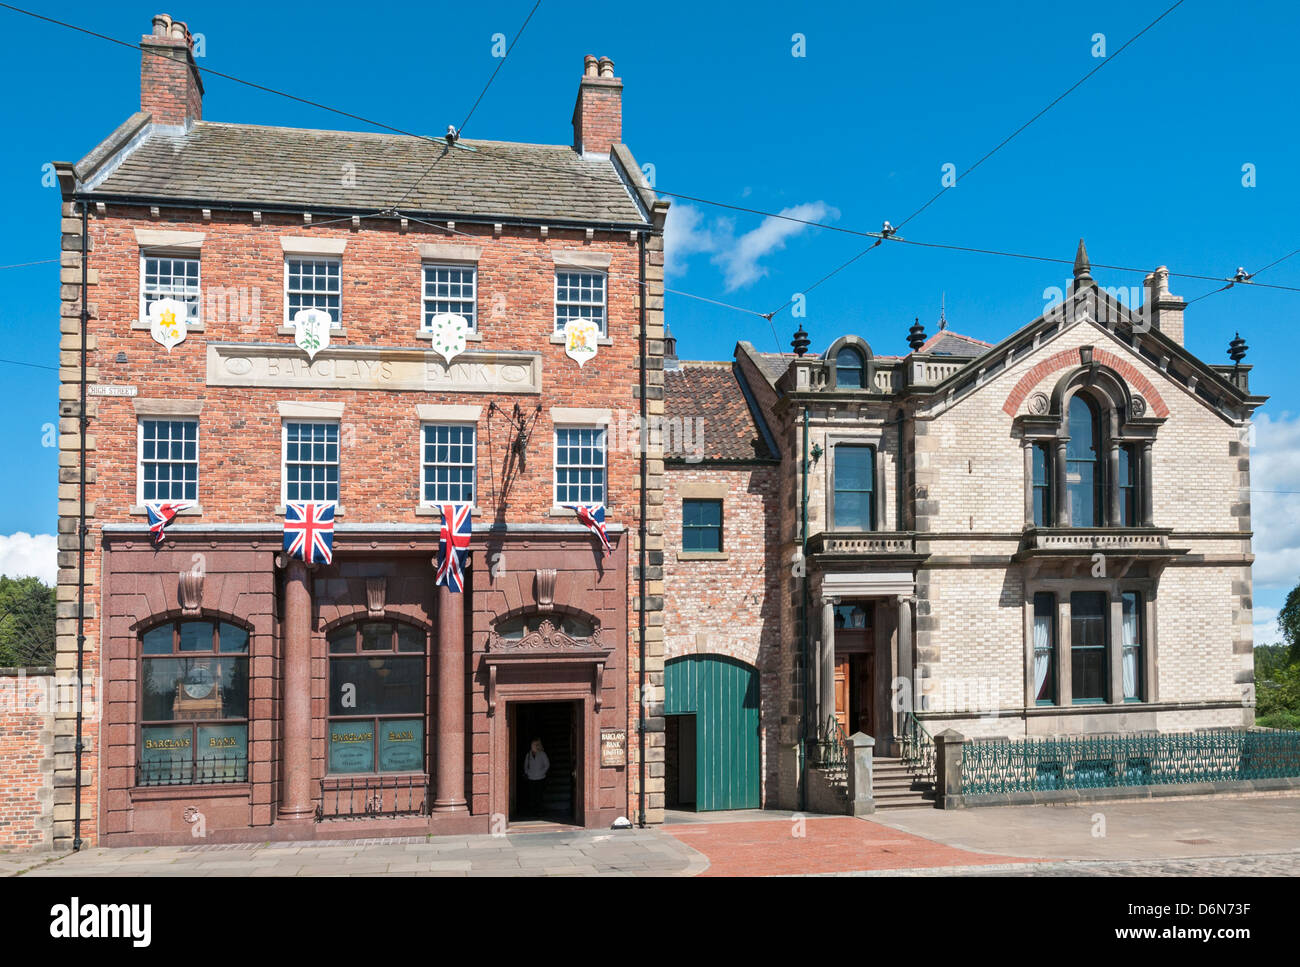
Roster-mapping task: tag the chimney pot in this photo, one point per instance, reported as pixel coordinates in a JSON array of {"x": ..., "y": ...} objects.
[
  {"x": 171, "y": 91},
  {"x": 598, "y": 113},
  {"x": 161, "y": 25}
]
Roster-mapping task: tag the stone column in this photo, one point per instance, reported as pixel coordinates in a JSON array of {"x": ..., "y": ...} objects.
[
  {"x": 861, "y": 799},
  {"x": 905, "y": 666},
  {"x": 296, "y": 805},
  {"x": 826, "y": 692},
  {"x": 1112, "y": 485},
  {"x": 449, "y": 787},
  {"x": 1062, "y": 498},
  {"x": 1147, "y": 520},
  {"x": 1028, "y": 447}
]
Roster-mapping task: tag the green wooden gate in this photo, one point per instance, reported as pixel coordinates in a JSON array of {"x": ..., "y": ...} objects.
[{"x": 722, "y": 694}]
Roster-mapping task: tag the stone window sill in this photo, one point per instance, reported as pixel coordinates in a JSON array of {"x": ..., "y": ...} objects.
[
  {"x": 469, "y": 336},
  {"x": 139, "y": 510},
  {"x": 703, "y": 556},
  {"x": 143, "y": 325},
  {"x": 338, "y": 509},
  {"x": 339, "y": 333},
  {"x": 434, "y": 510},
  {"x": 557, "y": 339}
]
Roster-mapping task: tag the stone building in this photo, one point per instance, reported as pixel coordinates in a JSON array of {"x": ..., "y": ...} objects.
[
  {"x": 252, "y": 696},
  {"x": 1050, "y": 535}
]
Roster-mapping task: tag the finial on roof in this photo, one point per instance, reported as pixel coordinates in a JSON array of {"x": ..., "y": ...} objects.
[
  {"x": 1082, "y": 267},
  {"x": 800, "y": 342},
  {"x": 916, "y": 336},
  {"x": 943, "y": 319},
  {"x": 1237, "y": 350}
]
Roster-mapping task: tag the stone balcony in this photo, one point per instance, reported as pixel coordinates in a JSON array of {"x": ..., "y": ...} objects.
[
  {"x": 1078, "y": 547},
  {"x": 863, "y": 544}
]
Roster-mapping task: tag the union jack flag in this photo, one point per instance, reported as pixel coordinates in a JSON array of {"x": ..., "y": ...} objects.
[
  {"x": 309, "y": 531},
  {"x": 592, "y": 516},
  {"x": 453, "y": 546},
  {"x": 162, "y": 513}
]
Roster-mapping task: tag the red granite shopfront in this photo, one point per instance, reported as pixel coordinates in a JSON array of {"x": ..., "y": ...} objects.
[{"x": 252, "y": 697}]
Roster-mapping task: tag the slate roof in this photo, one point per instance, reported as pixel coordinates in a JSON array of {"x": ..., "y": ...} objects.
[
  {"x": 251, "y": 164},
  {"x": 949, "y": 343},
  {"x": 711, "y": 391}
]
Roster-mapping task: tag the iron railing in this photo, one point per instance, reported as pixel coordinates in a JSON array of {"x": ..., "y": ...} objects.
[
  {"x": 991, "y": 766},
  {"x": 917, "y": 748},
  {"x": 352, "y": 797},
  {"x": 831, "y": 753},
  {"x": 184, "y": 771}
]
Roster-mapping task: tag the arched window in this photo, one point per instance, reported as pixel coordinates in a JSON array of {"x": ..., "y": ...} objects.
[
  {"x": 377, "y": 698},
  {"x": 1083, "y": 470},
  {"x": 849, "y": 369},
  {"x": 193, "y": 703},
  {"x": 575, "y": 626}
]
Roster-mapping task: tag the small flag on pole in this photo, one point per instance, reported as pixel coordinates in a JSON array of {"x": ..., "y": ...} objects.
[
  {"x": 593, "y": 518},
  {"x": 161, "y": 513}
]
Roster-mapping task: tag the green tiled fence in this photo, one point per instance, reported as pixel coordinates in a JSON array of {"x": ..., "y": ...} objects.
[{"x": 991, "y": 766}]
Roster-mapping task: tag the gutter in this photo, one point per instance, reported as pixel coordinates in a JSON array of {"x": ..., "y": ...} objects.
[
  {"x": 280, "y": 208},
  {"x": 82, "y": 421},
  {"x": 645, "y": 447}
]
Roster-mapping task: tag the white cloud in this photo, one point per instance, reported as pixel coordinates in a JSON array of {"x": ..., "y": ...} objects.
[
  {"x": 739, "y": 260},
  {"x": 1275, "y": 501},
  {"x": 29, "y": 555},
  {"x": 684, "y": 235},
  {"x": 687, "y": 233}
]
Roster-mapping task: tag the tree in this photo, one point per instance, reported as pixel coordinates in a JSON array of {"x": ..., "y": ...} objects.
[
  {"x": 1288, "y": 619},
  {"x": 27, "y": 613}
]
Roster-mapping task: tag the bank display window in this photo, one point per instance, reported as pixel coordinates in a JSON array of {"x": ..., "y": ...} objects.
[
  {"x": 377, "y": 698},
  {"x": 193, "y": 704}
]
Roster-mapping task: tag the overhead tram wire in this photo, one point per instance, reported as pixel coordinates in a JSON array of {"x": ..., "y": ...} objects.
[
  {"x": 1062, "y": 96},
  {"x": 452, "y": 138},
  {"x": 996, "y": 148},
  {"x": 1248, "y": 280}
]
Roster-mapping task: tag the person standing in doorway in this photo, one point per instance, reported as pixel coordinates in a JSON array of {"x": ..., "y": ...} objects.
[{"x": 536, "y": 765}]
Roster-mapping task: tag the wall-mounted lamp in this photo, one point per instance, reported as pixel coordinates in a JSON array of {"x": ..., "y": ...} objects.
[
  {"x": 1085, "y": 355},
  {"x": 816, "y": 453}
]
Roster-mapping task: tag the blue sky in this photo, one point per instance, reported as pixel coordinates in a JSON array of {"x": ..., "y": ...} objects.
[{"x": 1144, "y": 161}]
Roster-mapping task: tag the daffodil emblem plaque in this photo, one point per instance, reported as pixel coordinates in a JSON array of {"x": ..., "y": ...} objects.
[{"x": 167, "y": 322}]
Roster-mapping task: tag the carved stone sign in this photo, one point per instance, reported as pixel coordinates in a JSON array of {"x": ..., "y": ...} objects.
[
  {"x": 613, "y": 747},
  {"x": 370, "y": 367}
]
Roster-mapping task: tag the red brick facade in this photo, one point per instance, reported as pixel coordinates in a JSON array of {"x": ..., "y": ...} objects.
[{"x": 26, "y": 749}]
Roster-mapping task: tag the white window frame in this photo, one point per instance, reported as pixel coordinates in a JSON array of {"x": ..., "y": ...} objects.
[
  {"x": 604, "y": 299},
  {"x": 139, "y": 456},
  {"x": 426, "y": 465},
  {"x": 192, "y": 321},
  {"x": 294, "y": 257},
  {"x": 284, "y": 459},
  {"x": 470, "y": 267},
  {"x": 555, "y": 462}
]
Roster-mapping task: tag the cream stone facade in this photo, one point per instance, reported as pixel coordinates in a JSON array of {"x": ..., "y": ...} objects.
[{"x": 951, "y": 554}]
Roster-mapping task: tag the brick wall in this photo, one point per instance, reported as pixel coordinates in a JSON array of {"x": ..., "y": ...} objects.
[
  {"x": 27, "y": 751},
  {"x": 729, "y": 605},
  {"x": 242, "y": 262}
]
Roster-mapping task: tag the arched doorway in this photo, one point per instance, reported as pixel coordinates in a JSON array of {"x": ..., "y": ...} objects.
[{"x": 713, "y": 750}]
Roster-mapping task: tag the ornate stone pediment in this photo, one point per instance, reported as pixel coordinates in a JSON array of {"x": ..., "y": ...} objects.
[{"x": 546, "y": 638}]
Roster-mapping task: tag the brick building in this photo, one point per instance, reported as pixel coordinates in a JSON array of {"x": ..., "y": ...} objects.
[
  {"x": 258, "y": 697},
  {"x": 1046, "y": 536}
]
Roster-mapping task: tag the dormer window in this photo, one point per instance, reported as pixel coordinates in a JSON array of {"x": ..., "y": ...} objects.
[{"x": 850, "y": 369}]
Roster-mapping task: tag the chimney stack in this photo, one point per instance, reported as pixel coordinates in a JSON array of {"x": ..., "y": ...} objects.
[
  {"x": 170, "y": 88},
  {"x": 598, "y": 114},
  {"x": 1164, "y": 309}
]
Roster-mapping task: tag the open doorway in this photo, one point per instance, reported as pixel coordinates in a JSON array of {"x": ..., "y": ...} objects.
[
  {"x": 679, "y": 761},
  {"x": 549, "y": 795}
]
